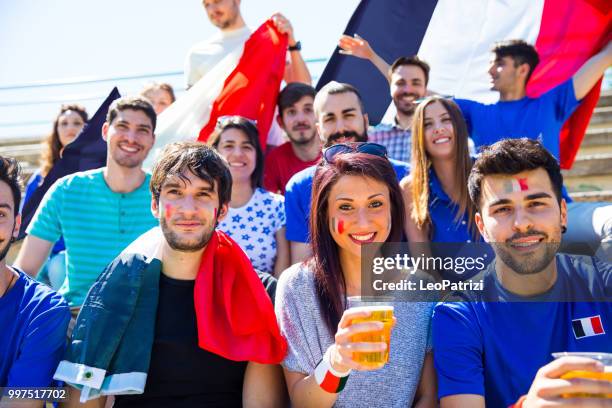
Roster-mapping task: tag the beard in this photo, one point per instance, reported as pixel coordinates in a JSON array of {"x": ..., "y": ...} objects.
[
  {"x": 354, "y": 136},
  {"x": 5, "y": 249},
  {"x": 406, "y": 108},
  {"x": 185, "y": 245},
  {"x": 530, "y": 263},
  {"x": 302, "y": 136}
]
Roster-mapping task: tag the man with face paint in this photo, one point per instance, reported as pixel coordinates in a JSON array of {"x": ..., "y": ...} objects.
[
  {"x": 225, "y": 15},
  {"x": 33, "y": 318},
  {"x": 535, "y": 301},
  {"x": 340, "y": 118},
  {"x": 184, "y": 344}
]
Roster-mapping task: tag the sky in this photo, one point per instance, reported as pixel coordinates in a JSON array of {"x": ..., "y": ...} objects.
[{"x": 50, "y": 41}]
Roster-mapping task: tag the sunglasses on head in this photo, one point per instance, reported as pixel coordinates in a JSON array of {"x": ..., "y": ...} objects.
[
  {"x": 374, "y": 149},
  {"x": 225, "y": 120}
]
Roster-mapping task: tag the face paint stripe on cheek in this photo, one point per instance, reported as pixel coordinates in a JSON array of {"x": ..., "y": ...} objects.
[
  {"x": 338, "y": 225},
  {"x": 215, "y": 213},
  {"x": 168, "y": 211}
]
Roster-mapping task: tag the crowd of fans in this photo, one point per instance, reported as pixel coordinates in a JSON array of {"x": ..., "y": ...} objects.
[{"x": 222, "y": 277}]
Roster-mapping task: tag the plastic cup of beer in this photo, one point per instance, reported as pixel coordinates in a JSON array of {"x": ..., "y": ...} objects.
[
  {"x": 380, "y": 311},
  {"x": 606, "y": 375}
]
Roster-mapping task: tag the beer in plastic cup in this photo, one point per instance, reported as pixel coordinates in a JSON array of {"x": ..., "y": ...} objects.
[
  {"x": 604, "y": 358},
  {"x": 379, "y": 312}
]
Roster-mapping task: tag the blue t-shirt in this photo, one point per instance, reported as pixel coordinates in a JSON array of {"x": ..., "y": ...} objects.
[
  {"x": 33, "y": 323},
  {"x": 538, "y": 118},
  {"x": 298, "y": 195},
  {"x": 442, "y": 211},
  {"x": 498, "y": 345}
]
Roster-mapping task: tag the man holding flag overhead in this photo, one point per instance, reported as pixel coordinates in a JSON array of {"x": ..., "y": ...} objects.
[
  {"x": 180, "y": 318},
  {"x": 235, "y": 73}
]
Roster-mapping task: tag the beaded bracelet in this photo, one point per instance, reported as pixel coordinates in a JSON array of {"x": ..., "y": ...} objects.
[{"x": 329, "y": 379}]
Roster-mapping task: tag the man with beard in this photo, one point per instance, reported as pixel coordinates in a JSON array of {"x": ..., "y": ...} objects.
[
  {"x": 495, "y": 345},
  {"x": 408, "y": 77},
  {"x": 341, "y": 118},
  {"x": 296, "y": 117},
  {"x": 180, "y": 318},
  {"x": 225, "y": 15},
  {"x": 98, "y": 212},
  {"x": 33, "y": 318}
]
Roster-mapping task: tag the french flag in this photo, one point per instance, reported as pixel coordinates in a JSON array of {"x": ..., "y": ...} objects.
[
  {"x": 455, "y": 38},
  {"x": 245, "y": 82},
  {"x": 587, "y": 327}
]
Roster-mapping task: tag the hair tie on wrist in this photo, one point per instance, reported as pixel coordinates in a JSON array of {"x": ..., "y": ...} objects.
[{"x": 329, "y": 379}]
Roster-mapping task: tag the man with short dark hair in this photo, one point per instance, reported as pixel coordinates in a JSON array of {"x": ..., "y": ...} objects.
[
  {"x": 408, "y": 77},
  {"x": 225, "y": 15},
  {"x": 296, "y": 117},
  {"x": 535, "y": 300},
  {"x": 516, "y": 115},
  {"x": 33, "y": 318},
  {"x": 180, "y": 318},
  {"x": 341, "y": 118},
  {"x": 98, "y": 212}
]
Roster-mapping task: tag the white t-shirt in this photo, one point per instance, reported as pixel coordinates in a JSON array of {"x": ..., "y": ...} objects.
[
  {"x": 254, "y": 226},
  {"x": 203, "y": 56}
]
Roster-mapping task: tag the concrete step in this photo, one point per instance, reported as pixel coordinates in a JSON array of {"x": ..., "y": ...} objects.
[
  {"x": 601, "y": 115},
  {"x": 593, "y": 196},
  {"x": 24, "y": 152},
  {"x": 597, "y": 137},
  {"x": 605, "y": 98},
  {"x": 591, "y": 165},
  {"x": 588, "y": 183}
]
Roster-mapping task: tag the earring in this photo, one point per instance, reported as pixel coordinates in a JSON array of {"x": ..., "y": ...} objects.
[{"x": 563, "y": 229}]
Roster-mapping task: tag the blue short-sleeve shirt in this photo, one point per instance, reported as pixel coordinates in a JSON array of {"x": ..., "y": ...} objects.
[{"x": 538, "y": 118}]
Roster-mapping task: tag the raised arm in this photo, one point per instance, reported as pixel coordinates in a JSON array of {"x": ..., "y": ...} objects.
[
  {"x": 359, "y": 47},
  {"x": 296, "y": 70},
  {"x": 591, "y": 71}
]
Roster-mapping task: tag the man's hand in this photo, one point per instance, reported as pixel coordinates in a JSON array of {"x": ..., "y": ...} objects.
[
  {"x": 548, "y": 386},
  {"x": 355, "y": 46},
  {"x": 284, "y": 26}
]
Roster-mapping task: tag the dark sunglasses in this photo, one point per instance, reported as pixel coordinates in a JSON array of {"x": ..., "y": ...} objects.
[{"x": 374, "y": 149}]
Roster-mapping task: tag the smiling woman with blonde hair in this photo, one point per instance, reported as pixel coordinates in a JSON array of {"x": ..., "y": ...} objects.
[{"x": 438, "y": 206}]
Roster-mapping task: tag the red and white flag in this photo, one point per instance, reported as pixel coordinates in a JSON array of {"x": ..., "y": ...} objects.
[
  {"x": 455, "y": 38},
  {"x": 245, "y": 82},
  {"x": 587, "y": 327}
]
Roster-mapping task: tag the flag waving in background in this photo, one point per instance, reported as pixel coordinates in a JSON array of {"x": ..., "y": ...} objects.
[
  {"x": 455, "y": 38},
  {"x": 245, "y": 82},
  {"x": 86, "y": 152}
]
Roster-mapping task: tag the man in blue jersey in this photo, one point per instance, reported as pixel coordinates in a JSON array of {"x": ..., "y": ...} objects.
[
  {"x": 535, "y": 301},
  {"x": 33, "y": 318},
  {"x": 340, "y": 118}
]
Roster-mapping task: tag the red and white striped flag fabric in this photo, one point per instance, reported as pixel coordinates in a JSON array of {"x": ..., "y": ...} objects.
[
  {"x": 455, "y": 38},
  {"x": 587, "y": 327},
  {"x": 245, "y": 82}
]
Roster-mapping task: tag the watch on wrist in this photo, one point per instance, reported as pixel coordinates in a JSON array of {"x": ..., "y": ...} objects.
[{"x": 295, "y": 47}]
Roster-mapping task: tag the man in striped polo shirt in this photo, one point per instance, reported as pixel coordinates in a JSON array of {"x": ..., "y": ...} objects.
[{"x": 98, "y": 212}]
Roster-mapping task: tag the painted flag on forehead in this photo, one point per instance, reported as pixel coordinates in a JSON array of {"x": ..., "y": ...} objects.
[
  {"x": 245, "y": 82},
  {"x": 86, "y": 152},
  {"x": 455, "y": 38}
]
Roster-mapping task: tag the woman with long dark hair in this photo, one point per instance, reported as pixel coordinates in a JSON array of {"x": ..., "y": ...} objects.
[
  {"x": 256, "y": 217},
  {"x": 67, "y": 125},
  {"x": 356, "y": 200},
  {"x": 438, "y": 207}
]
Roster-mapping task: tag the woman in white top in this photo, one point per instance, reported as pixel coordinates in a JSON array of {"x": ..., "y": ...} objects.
[{"x": 256, "y": 218}]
